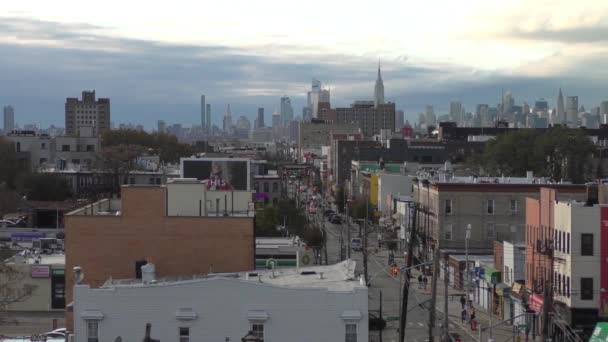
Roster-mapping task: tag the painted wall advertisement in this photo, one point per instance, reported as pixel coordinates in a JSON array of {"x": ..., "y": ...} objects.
[
  {"x": 604, "y": 258},
  {"x": 218, "y": 173}
]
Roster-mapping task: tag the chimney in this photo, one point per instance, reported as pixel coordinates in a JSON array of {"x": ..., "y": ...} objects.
[
  {"x": 530, "y": 175},
  {"x": 148, "y": 273}
]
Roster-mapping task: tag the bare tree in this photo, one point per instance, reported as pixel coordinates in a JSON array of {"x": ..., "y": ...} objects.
[{"x": 12, "y": 288}]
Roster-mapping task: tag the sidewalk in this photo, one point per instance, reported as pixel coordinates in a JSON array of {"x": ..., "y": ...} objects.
[{"x": 501, "y": 332}]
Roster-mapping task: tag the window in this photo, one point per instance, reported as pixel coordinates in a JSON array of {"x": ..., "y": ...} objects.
[
  {"x": 90, "y": 148},
  {"x": 586, "y": 288},
  {"x": 490, "y": 207},
  {"x": 157, "y": 181},
  {"x": 448, "y": 232},
  {"x": 266, "y": 187},
  {"x": 490, "y": 231},
  {"x": 184, "y": 334},
  {"x": 65, "y": 148},
  {"x": 257, "y": 330},
  {"x": 43, "y": 146},
  {"x": 568, "y": 243},
  {"x": 18, "y": 147},
  {"x": 568, "y": 287},
  {"x": 76, "y": 161},
  {"x": 151, "y": 181},
  {"x": 42, "y": 160},
  {"x": 138, "y": 265},
  {"x": 92, "y": 331},
  {"x": 132, "y": 180},
  {"x": 448, "y": 207},
  {"x": 275, "y": 187},
  {"x": 513, "y": 205},
  {"x": 350, "y": 334},
  {"x": 256, "y": 186},
  {"x": 587, "y": 244}
]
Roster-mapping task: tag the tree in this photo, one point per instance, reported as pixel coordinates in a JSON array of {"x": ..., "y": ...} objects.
[
  {"x": 44, "y": 187},
  {"x": 9, "y": 166},
  {"x": 12, "y": 288},
  {"x": 266, "y": 222},
  {"x": 169, "y": 149},
  {"x": 119, "y": 160},
  {"x": 556, "y": 153}
]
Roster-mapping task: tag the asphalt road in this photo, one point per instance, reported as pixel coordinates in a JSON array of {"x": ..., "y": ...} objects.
[{"x": 381, "y": 280}]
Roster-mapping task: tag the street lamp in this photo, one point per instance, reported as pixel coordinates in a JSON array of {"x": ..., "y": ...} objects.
[{"x": 466, "y": 253}]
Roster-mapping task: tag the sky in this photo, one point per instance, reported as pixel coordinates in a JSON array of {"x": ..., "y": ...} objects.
[{"x": 154, "y": 59}]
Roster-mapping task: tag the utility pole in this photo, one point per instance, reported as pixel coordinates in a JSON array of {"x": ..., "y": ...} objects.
[
  {"x": 365, "y": 238},
  {"x": 433, "y": 294},
  {"x": 446, "y": 281},
  {"x": 380, "y": 314},
  {"x": 406, "y": 284},
  {"x": 347, "y": 218}
]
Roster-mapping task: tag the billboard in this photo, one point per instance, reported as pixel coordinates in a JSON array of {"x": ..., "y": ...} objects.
[{"x": 219, "y": 173}]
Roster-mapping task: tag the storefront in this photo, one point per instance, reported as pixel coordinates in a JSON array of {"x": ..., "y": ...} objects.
[{"x": 504, "y": 307}]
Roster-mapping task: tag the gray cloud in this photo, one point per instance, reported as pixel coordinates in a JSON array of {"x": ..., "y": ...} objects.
[
  {"x": 149, "y": 80},
  {"x": 591, "y": 34}
]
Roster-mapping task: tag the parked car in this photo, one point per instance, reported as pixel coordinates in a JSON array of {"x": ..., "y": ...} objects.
[
  {"x": 57, "y": 333},
  {"x": 356, "y": 244},
  {"x": 7, "y": 224}
]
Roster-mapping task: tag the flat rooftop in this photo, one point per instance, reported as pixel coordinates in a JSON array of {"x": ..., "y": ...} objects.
[
  {"x": 31, "y": 258},
  {"x": 337, "y": 277}
]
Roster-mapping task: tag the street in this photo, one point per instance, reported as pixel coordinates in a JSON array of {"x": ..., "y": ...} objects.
[{"x": 381, "y": 280}]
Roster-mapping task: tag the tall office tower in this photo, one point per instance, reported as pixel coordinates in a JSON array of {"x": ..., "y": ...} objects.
[
  {"x": 227, "y": 119},
  {"x": 260, "y": 120},
  {"x": 456, "y": 112},
  {"x": 286, "y": 110},
  {"x": 399, "y": 121},
  {"x": 431, "y": 119},
  {"x": 507, "y": 103},
  {"x": 541, "y": 105},
  {"x": 203, "y": 112},
  {"x": 242, "y": 127},
  {"x": 526, "y": 108},
  {"x": 208, "y": 119},
  {"x": 572, "y": 110},
  {"x": 161, "y": 126},
  {"x": 87, "y": 115},
  {"x": 379, "y": 89},
  {"x": 560, "y": 116},
  {"x": 313, "y": 98},
  {"x": 482, "y": 112},
  {"x": 9, "y": 119}
]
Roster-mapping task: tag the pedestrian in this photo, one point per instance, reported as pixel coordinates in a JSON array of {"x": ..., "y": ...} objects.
[
  {"x": 425, "y": 281},
  {"x": 420, "y": 281},
  {"x": 472, "y": 320},
  {"x": 463, "y": 315},
  {"x": 463, "y": 302}
]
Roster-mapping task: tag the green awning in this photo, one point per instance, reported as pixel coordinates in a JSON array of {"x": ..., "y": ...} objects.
[
  {"x": 600, "y": 334},
  {"x": 492, "y": 275}
]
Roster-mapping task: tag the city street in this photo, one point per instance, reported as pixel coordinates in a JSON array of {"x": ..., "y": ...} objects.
[{"x": 381, "y": 280}]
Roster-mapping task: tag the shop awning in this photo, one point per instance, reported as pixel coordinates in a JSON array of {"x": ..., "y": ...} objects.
[
  {"x": 503, "y": 289},
  {"x": 492, "y": 275},
  {"x": 600, "y": 334}
]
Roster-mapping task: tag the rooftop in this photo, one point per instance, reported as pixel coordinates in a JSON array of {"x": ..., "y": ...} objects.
[
  {"x": 33, "y": 257},
  {"x": 336, "y": 277}
]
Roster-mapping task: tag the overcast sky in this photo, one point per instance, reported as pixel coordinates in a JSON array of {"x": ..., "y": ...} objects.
[{"x": 154, "y": 59}]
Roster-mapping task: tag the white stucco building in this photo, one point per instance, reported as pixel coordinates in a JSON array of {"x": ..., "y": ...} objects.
[
  {"x": 322, "y": 303},
  {"x": 577, "y": 262}
]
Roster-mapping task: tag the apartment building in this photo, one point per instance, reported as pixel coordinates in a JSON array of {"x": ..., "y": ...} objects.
[
  {"x": 495, "y": 208},
  {"x": 87, "y": 115}
]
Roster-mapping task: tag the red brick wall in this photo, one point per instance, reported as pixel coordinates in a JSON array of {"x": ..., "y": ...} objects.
[
  {"x": 539, "y": 226},
  {"x": 109, "y": 246}
]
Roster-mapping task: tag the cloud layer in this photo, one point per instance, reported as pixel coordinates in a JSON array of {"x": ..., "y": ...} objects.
[{"x": 43, "y": 62}]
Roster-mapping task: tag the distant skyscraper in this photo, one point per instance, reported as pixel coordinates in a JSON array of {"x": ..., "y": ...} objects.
[
  {"x": 87, "y": 114},
  {"x": 572, "y": 110},
  {"x": 507, "y": 103},
  {"x": 399, "y": 120},
  {"x": 483, "y": 115},
  {"x": 243, "y": 127},
  {"x": 259, "y": 122},
  {"x": 286, "y": 110},
  {"x": 9, "y": 119},
  {"x": 379, "y": 89},
  {"x": 604, "y": 107},
  {"x": 203, "y": 112},
  {"x": 456, "y": 112},
  {"x": 431, "y": 119},
  {"x": 161, "y": 126},
  {"x": 541, "y": 105},
  {"x": 208, "y": 118},
  {"x": 227, "y": 119},
  {"x": 560, "y": 116}
]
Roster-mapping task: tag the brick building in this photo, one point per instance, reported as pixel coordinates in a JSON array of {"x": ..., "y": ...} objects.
[{"x": 114, "y": 238}]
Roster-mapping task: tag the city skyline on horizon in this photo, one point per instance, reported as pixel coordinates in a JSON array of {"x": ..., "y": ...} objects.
[{"x": 53, "y": 51}]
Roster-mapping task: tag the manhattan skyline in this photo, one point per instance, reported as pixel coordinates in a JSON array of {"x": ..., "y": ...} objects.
[{"x": 50, "y": 52}]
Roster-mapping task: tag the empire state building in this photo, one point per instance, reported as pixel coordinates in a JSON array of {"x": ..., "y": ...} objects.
[{"x": 379, "y": 89}]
